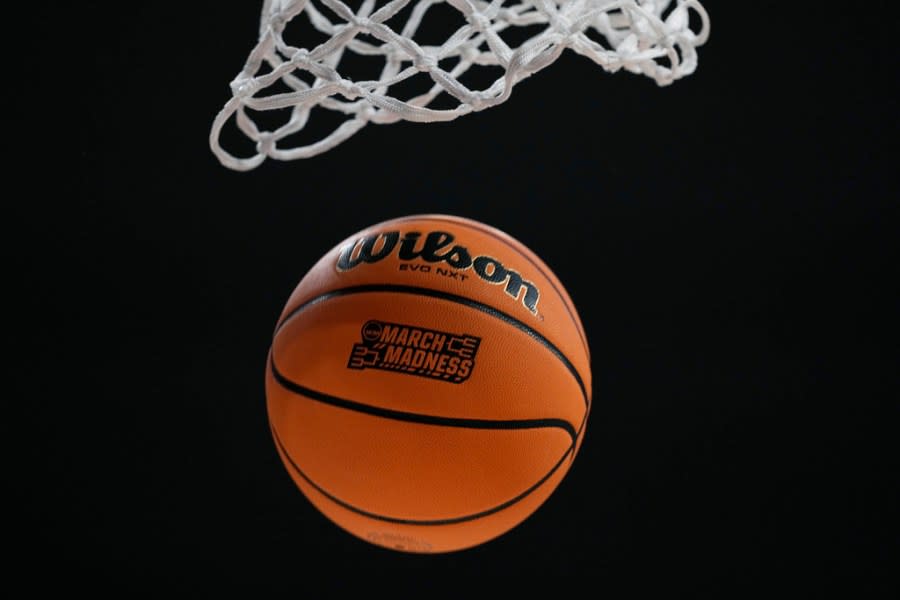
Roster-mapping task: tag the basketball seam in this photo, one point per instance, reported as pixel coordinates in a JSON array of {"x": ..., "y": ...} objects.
[
  {"x": 420, "y": 522},
  {"x": 420, "y": 418}
]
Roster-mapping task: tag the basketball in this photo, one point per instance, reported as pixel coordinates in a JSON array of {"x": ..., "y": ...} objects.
[{"x": 428, "y": 384}]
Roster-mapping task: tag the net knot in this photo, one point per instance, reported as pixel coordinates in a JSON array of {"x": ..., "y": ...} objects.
[
  {"x": 480, "y": 22},
  {"x": 351, "y": 90},
  {"x": 478, "y": 102},
  {"x": 364, "y": 23},
  {"x": 244, "y": 87},
  {"x": 301, "y": 55},
  {"x": 425, "y": 62},
  {"x": 265, "y": 144}
]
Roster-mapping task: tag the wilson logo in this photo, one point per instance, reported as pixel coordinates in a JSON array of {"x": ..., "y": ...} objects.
[
  {"x": 438, "y": 247},
  {"x": 415, "y": 350}
]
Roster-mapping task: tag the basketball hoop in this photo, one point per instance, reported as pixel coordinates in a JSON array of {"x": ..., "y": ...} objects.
[{"x": 508, "y": 39}]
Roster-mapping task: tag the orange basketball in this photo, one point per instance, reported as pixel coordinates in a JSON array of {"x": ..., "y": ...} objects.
[{"x": 428, "y": 383}]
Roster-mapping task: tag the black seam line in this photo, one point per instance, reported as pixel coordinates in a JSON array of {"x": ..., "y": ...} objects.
[
  {"x": 423, "y": 419},
  {"x": 407, "y": 289},
  {"x": 484, "y": 230},
  {"x": 385, "y": 518}
]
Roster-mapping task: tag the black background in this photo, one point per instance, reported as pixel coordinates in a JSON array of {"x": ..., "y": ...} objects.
[{"x": 726, "y": 240}]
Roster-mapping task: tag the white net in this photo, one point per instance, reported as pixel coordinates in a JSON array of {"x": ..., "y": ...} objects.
[{"x": 487, "y": 48}]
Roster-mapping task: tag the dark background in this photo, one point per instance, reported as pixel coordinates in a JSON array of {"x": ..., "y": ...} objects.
[{"x": 726, "y": 240}]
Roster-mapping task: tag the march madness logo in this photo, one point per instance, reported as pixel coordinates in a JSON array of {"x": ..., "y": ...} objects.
[{"x": 416, "y": 351}]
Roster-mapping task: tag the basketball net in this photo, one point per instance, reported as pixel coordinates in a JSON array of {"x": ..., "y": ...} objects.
[{"x": 646, "y": 37}]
